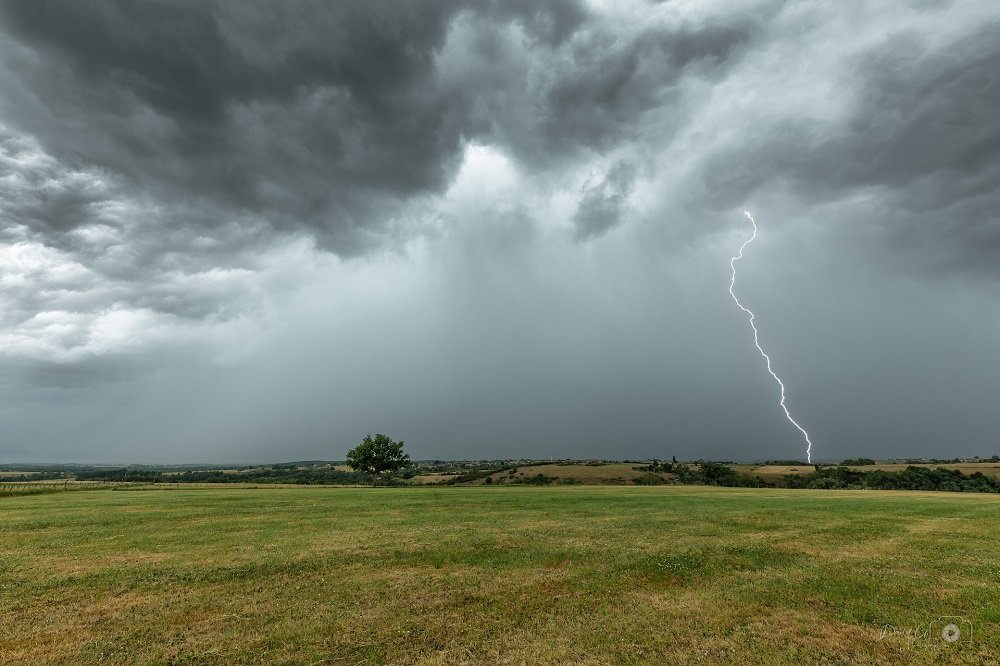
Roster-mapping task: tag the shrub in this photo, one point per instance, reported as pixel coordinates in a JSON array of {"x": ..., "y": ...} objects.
[
  {"x": 536, "y": 480},
  {"x": 650, "y": 479}
]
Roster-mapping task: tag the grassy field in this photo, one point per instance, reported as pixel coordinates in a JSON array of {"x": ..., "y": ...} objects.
[{"x": 512, "y": 575}]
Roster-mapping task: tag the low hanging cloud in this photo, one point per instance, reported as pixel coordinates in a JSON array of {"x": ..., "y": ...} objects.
[
  {"x": 603, "y": 204},
  {"x": 547, "y": 190}
]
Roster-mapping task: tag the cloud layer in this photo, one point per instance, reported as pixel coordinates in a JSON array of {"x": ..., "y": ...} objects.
[{"x": 255, "y": 231}]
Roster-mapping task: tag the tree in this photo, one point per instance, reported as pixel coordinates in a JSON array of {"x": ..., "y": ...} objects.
[{"x": 378, "y": 455}]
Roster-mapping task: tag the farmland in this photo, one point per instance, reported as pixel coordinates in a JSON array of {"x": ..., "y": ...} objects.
[
  {"x": 624, "y": 473},
  {"x": 516, "y": 575},
  {"x": 774, "y": 472}
]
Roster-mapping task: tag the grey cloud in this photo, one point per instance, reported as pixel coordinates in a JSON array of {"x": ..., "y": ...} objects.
[
  {"x": 92, "y": 248},
  {"x": 175, "y": 97},
  {"x": 318, "y": 116},
  {"x": 921, "y": 142},
  {"x": 254, "y": 230},
  {"x": 593, "y": 92},
  {"x": 930, "y": 135},
  {"x": 603, "y": 204},
  {"x": 37, "y": 379},
  {"x": 928, "y": 112},
  {"x": 328, "y": 118},
  {"x": 45, "y": 197}
]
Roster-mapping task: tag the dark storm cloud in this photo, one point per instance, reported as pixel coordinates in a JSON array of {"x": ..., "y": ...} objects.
[
  {"x": 325, "y": 117},
  {"x": 230, "y": 228},
  {"x": 314, "y": 114},
  {"x": 926, "y": 113},
  {"x": 930, "y": 135},
  {"x": 46, "y": 197},
  {"x": 153, "y": 146},
  {"x": 603, "y": 204},
  {"x": 593, "y": 92},
  {"x": 920, "y": 138},
  {"x": 311, "y": 115}
]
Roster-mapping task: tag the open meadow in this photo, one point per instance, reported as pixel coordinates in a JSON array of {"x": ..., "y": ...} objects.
[{"x": 505, "y": 575}]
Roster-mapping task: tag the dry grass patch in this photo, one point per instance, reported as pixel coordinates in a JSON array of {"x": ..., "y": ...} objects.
[
  {"x": 587, "y": 474},
  {"x": 780, "y": 470}
]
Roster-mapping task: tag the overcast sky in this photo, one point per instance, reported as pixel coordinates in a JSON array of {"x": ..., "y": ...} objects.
[{"x": 256, "y": 231}]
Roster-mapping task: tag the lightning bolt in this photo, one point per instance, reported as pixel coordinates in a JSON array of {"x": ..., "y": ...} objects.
[{"x": 767, "y": 359}]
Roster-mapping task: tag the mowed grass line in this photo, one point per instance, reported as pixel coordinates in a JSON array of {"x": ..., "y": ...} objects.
[{"x": 567, "y": 575}]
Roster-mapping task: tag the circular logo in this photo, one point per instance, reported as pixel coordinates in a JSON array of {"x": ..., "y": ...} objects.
[{"x": 951, "y": 633}]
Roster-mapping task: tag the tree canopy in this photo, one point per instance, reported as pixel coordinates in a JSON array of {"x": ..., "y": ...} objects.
[{"x": 378, "y": 456}]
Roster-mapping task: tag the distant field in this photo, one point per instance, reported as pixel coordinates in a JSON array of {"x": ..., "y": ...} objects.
[
  {"x": 772, "y": 472},
  {"x": 768, "y": 471},
  {"x": 508, "y": 575},
  {"x": 588, "y": 474},
  {"x": 610, "y": 473},
  {"x": 431, "y": 478}
]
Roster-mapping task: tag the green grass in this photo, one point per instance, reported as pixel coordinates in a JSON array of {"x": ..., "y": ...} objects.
[
  {"x": 567, "y": 575},
  {"x": 44, "y": 487}
]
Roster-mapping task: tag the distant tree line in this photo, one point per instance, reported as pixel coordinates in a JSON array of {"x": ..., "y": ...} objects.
[
  {"x": 827, "y": 477},
  {"x": 120, "y": 474},
  {"x": 275, "y": 474},
  {"x": 657, "y": 466},
  {"x": 702, "y": 473},
  {"x": 911, "y": 478},
  {"x": 715, "y": 474}
]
